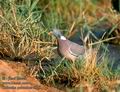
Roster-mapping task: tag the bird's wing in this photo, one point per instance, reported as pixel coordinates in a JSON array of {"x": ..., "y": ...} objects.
[{"x": 76, "y": 49}]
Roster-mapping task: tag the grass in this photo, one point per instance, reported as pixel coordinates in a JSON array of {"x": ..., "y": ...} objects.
[{"x": 24, "y": 29}]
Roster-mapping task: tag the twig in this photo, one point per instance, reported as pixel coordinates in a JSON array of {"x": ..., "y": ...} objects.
[{"x": 103, "y": 40}]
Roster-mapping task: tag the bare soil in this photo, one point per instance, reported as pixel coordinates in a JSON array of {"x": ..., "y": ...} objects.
[{"x": 14, "y": 78}]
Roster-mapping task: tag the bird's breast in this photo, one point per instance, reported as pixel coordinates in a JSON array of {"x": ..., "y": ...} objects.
[{"x": 64, "y": 50}]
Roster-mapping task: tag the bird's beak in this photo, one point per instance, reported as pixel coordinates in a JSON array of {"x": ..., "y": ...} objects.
[{"x": 50, "y": 33}]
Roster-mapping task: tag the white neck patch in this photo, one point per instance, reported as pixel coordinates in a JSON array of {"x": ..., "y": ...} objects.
[{"x": 62, "y": 38}]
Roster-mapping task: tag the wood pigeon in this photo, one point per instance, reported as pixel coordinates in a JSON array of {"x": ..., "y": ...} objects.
[{"x": 67, "y": 48}]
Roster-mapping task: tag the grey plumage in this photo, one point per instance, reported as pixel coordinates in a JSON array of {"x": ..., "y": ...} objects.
[{"x": 67, "y": 48}]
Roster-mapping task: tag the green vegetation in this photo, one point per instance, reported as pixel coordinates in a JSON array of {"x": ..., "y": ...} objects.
[{"x": 24, "y": 28}]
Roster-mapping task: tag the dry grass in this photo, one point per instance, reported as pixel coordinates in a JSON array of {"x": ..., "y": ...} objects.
[{"x": 24, "y": 29}]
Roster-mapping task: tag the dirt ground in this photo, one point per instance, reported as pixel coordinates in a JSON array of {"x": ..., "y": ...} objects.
[{"x": 15, "y": 79}]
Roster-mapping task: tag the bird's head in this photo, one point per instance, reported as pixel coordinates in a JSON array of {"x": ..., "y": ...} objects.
[{"x": 58, "y": 34}]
